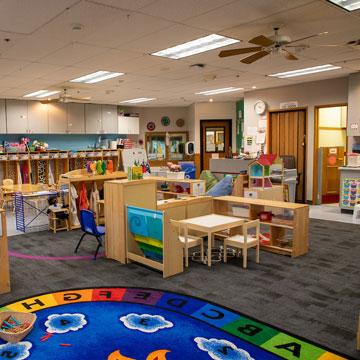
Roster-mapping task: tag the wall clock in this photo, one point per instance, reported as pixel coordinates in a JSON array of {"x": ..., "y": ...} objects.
[
  {"x": 260, "y": 107},
  {"x": 165, "y": 121},
  {"x": 180, "y": 122},
  {"x": 150, "y": 126}
]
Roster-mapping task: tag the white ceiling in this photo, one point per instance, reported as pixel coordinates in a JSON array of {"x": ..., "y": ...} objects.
[{"x": 118, "y": 35}]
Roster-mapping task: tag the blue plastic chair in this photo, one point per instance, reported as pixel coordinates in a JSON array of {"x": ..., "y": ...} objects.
[{"x": 89, "y": 227}]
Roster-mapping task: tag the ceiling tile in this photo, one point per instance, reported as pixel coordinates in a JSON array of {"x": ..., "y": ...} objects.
[
  {"x": 182, "y": 10},
  {"x": 36, "y": 70},
  {"x": 15, "y": 14},
  {"x": 71, "y": 54},
  {"x": 8, "y": 66},
  {"x": 125, "y": 4},
  {"x": 125, "y": 28}
]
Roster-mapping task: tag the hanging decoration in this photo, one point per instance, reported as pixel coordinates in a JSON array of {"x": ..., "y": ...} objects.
[
  {"x": 180, "y": 122},
  {"x": 165, "y": 121},
  {"x": 150, "y": 126}
]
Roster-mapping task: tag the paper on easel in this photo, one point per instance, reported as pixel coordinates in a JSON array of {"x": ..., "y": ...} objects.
[{"x": 260, "y": 138}]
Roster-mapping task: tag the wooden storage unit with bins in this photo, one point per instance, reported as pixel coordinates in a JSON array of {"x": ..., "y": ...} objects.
[
  {"x": 287, "y": 229},
  {"x": 46, "y": 167}
]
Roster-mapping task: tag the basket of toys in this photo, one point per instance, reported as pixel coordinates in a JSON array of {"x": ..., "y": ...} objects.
[{"x": 14, "y": 326}]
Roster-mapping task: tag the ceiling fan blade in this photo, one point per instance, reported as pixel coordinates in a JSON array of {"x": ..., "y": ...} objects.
[
  {"x": 252, "y": 58},
  {"x": 226, "y": 53},
  {"x": 288, "y": 55},
  {"x": 49, "y": 101},
  {"x": 297, "y": 46},
  {"x": 308, "y": 37},
  {"x": 261, "y": 40}
]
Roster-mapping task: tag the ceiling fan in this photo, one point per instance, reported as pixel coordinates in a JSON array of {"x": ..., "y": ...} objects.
[
  {"x": 64, "y": 97},
  {"x": 269, "y": 45}
]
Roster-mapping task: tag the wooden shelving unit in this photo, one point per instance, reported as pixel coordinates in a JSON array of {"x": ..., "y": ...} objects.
[
  {"x": 195, "y": 187},
  {"x": 297, "y": 224},
  {"x": 46, "y": 167}
]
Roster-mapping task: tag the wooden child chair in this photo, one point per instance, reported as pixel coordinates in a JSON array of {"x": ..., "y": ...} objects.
[
  {"x": 245, "y": 241},
  {"x": 8, "y": 195},
  {"x": 188, "y": 241}
]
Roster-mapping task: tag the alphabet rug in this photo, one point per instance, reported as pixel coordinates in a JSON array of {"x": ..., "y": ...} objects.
[{"x": 147, "y": 324}]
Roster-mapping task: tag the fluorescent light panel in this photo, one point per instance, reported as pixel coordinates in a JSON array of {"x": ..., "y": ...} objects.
[
  {"x": 96, "y": 77},
  {"x": 42, "y": 93},
  {"x": 136, "y": 101},
  {"x": 306, "y": 71},
  {"x": 210, "y": 42},
  {"x": 219, "y": 91},
  {"x": 350, "y": 5}
]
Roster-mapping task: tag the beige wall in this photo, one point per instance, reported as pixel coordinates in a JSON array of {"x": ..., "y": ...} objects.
[
  {"x": 333, "y": 91},
  {"x": 214, "y": 111},
  {"x": 156, "y": 113}
]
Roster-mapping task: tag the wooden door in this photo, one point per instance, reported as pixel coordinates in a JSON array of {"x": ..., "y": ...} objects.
[
  {"x": 215, "y": 138},
  {"x": 287, "y": 136},
  {"x": 332, "y": 159}
]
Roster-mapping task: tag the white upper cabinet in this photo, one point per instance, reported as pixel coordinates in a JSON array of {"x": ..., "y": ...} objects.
[
  {"x": 37, "y": 118},
  {"x": 76, "y": 118},
  {"x": 17, "y": 116},
  {"x": 93, "y": 123},
  {"x": 58, "y": 123},
  {"x": 2, "y": 117},
  {"x": 128, "y": 125},
  {"x": 109, "y": 119}
]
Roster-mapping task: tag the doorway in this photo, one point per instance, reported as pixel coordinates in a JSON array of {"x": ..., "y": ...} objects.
[
  {"x": 215, "y": 138},
  {"x": 287, "y": 136},
  {"x": 330, "y": 143}
]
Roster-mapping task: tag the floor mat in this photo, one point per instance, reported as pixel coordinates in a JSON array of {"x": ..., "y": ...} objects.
[{"x": 147, "y": 324}]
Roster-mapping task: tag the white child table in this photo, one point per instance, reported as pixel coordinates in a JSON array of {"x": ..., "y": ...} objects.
[{"x": 211, "y": 224}]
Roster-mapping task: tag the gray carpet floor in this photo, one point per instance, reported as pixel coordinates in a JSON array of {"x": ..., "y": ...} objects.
[{"x": 316, "y": 296}]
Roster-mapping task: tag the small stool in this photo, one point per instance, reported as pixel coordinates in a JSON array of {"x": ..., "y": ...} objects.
[
  {"x": 57, "y": 224},
  {"x": 99, "y": 219}
]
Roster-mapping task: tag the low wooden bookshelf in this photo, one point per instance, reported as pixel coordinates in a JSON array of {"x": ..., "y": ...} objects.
[{"x": 290, "y": 220}]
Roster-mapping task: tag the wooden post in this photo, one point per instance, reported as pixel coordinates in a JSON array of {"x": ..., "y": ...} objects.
[{"x": 4, "y": 259}]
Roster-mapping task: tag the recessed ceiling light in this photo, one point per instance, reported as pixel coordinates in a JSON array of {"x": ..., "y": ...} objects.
[
  {"x": 253, "y": 87},
  {"x": 211, "y": 100},
  {"x": 96, "y": 77},
  {"x": 306, "y": 71},
  {"x": 219, "y": 91},
  {"x": 197, "y": 46},
  {"x": 349, "y": 5},
  {"x": 42, "y": 93},
  {"x": 137, "y": 100}
]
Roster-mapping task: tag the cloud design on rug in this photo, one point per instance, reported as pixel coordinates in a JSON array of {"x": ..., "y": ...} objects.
[
  {"x": 63, "y": 323},
  {"x": 15, "y": 351},
  {"x": 222, "y": 349},
  {"x": 145, "y": 322}
]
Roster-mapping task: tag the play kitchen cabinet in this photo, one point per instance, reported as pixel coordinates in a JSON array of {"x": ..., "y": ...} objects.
[
  {"x": 101, "y": 119},
  {"x": 284, "y": 225}
]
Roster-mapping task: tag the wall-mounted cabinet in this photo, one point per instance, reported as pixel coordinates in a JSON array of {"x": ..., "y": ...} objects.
[
  {"x": 101, "y": 119},
  {"x": 128, "y": 125},
  {"x": 57, "y": 118},
  {"x": 16, "y": 116},
  {"x": 37, "y": 118},
  {"x": 75, "y": 118},
  {"x": 2, "y": 117}
]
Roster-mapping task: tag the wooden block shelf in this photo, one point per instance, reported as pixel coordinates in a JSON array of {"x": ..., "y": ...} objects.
[{"x": 295, "y": 231}]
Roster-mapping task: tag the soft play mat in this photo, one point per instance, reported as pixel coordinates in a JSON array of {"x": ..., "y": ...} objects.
[{"x": 146, "y": 324}]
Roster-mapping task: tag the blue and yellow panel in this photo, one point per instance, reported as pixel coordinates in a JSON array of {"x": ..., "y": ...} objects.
[{"x": 117, "y": 323}]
